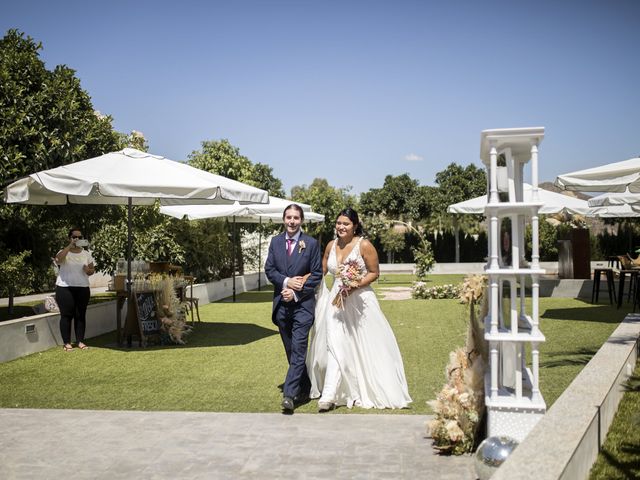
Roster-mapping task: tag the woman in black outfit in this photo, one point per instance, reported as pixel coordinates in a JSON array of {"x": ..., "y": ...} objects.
[{"x": 72, "y": 288}]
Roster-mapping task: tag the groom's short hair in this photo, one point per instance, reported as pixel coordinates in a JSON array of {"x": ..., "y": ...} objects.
[{"x": 295, "y": 206}]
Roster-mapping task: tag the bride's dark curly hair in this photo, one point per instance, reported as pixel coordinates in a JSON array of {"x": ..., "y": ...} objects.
[{"x": 352, "y": 215}]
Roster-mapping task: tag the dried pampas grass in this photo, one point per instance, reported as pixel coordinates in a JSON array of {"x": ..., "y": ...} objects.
[
  {"x": 460, "y": 404},
  {"x": 172, "y": 312}
]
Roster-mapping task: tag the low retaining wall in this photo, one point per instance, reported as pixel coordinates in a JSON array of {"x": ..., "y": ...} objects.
[
  {"x": 456, "y": 268},
  {"x": 565, "y": 443},
  {"x": 24, "y": 336},
  {"x": 214, "y": 291}
]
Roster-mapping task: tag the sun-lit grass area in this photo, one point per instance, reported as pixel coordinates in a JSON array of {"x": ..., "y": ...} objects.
[
  {"x": 234, "y": 360},
  {"x": 405, "y": 280},
  {"x": 574, "y": 331},
  {"x": 619, "y": 458}
]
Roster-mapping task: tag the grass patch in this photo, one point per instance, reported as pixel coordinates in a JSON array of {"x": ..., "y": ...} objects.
[
  {"x": 406, "y": 280},
  {"x": 574, "y": 330},
  {"x": 620, "y": 454},
  {"x": 234, "y": 360}
]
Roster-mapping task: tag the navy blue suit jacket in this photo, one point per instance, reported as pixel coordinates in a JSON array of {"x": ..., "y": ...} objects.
[{"x": 279, "y": 266}]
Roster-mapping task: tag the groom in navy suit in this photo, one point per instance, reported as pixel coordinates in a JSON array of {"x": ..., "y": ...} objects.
[{"x": 294, "y": 267}]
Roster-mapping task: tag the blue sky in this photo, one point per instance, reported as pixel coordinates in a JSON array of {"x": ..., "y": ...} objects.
[{"x": 352, "y": 91}]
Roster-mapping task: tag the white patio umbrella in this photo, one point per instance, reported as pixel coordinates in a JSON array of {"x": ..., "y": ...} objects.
[
  {"x": 551, "y": 203},
  {"x": 129, "y": 177},
  {"x": 248, "y": 213},
  {"x": 615, "y": 199},
  {"x": 613, "y": 177},
  {"x": 614, "y": 211}
]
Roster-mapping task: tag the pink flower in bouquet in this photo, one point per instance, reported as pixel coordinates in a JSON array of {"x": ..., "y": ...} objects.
[{"x": 349, "y": 275}]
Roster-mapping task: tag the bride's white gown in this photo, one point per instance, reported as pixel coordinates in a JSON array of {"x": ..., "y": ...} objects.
[{"x": 361, "y": 340}]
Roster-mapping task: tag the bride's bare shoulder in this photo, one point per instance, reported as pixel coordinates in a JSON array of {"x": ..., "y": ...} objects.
[
  {"x": 366, "y": 246},
  {"x": 365, "y": 243}
]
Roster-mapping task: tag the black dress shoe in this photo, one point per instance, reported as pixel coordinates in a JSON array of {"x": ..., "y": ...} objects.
[
  {"x": 287, "y": 403},
  {"x": 301, "y": 398}
]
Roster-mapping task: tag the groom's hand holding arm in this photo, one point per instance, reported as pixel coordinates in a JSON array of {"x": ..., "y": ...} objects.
[{"x": 287, "y": 295}]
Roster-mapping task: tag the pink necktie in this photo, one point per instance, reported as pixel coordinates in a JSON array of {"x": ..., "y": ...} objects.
[{"x": 289, "y": 246}]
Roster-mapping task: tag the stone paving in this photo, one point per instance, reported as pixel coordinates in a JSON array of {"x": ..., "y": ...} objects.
[
  {"x": 395, "y": 293},
  {"x": 87, "y": 444}
]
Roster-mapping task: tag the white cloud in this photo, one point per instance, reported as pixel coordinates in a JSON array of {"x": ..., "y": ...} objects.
[{"x": 412, "y": 157}]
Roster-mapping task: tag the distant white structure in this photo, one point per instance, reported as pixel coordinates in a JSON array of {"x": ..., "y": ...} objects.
[{"x": 512, "y": 395}]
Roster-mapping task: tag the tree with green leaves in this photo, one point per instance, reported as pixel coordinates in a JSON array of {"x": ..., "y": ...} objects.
[
  {"x": 325, "y": 200},
  {"x": 401, "y": 197},
  {"x": 154, "y": 239},
  {"x": 456, "y": 184},
  {"x": 392, "y": 241},
  {"x": 16, "y": 277},
  {"x": 47, "y": 120},
  {"x": 222, "y": 158}
]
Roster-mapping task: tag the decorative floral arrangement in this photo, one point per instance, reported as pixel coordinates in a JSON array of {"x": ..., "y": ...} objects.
[
  {"x": 301, "y": 246},
  {"x": 420, "y": 290},
  {"x": 460, "y": 404},
  {"x": 171, "y": 312},
  {"x": 349, "y": 275},
  {"x": 473, "y": 288}
]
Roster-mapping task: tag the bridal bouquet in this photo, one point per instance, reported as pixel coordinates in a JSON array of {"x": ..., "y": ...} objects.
[{"x": 349, "y": 274}]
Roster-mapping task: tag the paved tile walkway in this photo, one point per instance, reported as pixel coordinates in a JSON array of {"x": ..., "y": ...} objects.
[
  {"x": 87, "y": 444},
  {"x": 395, "y": 293}
]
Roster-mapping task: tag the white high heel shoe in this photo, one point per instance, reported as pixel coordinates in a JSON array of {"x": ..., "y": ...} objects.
[{"x": 325, "y": 406}]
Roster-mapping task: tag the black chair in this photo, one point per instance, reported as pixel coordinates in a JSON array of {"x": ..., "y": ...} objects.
[
  {"x": 633, "y": 277},
  {"x": 611, "y": 287}
]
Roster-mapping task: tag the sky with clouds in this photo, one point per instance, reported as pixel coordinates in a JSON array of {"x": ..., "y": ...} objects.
[{"x": 352, "y": 91}]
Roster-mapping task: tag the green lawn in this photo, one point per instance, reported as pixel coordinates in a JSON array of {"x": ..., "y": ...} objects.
[
  {"x": 619, "y": 457},
  {"x": 234, "y": 360}
]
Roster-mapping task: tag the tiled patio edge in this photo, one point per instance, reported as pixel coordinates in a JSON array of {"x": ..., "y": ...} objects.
[{"x": 565, "y": 443}]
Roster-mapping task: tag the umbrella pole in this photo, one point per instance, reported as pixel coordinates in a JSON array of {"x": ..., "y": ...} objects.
[
  {"x": 129, "y": 209},
  {"x": 233, "y": 258},
  {"x": 456, "y": 232},
  {"x": 259, "y": 253}
]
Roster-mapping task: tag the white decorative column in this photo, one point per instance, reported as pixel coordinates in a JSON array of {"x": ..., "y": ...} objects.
[{"x": 513, "y": 399}]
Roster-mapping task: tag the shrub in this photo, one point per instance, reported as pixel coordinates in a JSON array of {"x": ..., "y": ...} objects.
[
  {"x": 424, "y": 260},
  {"x": 420, "y": 290}
]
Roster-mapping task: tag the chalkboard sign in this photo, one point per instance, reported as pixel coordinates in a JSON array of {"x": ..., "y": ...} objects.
[{"x": 145, "y": 305}]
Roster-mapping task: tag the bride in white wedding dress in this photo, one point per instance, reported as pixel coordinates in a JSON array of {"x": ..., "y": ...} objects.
[{"x": 353, "y": 356}]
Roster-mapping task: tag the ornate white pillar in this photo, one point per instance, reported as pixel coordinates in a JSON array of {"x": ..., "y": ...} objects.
[
  {"x": 493, "y": 175},
  {"x": 534, "y": 171}
]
